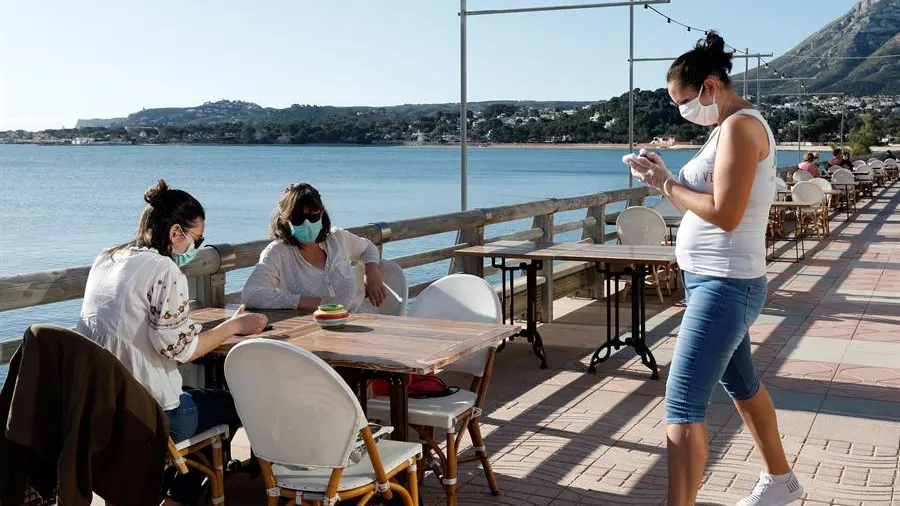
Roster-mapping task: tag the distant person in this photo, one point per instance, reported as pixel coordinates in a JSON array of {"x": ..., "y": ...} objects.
[
  {"x": 136, "y": 306},
  {"x": 809, "y": 165},
  {"x": 836, "y": 158},
  {"x": 845, "y": 160},
  {"x": 726, "y": 191},
  {"x": 309, "y": 263}
]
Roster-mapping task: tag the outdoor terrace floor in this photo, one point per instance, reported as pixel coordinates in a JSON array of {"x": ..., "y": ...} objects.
[{"x": 827, "y": 346}]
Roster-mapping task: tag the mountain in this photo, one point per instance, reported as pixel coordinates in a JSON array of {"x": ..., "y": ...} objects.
[
  {"x": 232, "y": 111},
  {"x": 869, "y": 30}
]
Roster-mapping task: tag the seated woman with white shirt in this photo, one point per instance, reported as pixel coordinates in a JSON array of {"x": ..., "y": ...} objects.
[
  {"x": 309, "y": 263},
  {"x": 136, "y": 306}
]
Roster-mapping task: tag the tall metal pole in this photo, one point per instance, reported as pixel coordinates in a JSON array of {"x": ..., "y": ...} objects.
[
  {"x": 799, "y": 126},
  {"x": 630, "y": 87},
  {"x": 463, "y": 112},
  {"x": 758, "y": 94},
  {"x": 746, "y": 69},
  {"x": 842, "y": 126}
]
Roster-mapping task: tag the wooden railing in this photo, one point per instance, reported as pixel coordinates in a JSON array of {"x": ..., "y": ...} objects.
[{"x": 207, "y": 273}]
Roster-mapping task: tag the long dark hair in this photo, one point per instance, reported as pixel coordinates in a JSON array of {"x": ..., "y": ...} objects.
[
  {"x": 165, "y": 207},
  {"x": 293, "y": 201},
  {"x": 708, "y": 58}
]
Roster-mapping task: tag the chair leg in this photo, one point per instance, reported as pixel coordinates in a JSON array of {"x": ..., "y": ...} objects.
[
  {"x": 658, "y": 288},
  {"x": 218, "y": 483},
  {"x": 481, "y": 451},
  {"x": 413, "y": 483},
  {"x": 450, "y": 485}
]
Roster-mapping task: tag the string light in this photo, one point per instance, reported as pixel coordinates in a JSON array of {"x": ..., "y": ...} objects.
[{"x": 690, "y": 28}]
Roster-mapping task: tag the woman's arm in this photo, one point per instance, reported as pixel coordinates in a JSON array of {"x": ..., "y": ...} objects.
[
  {"x": 362, "y": 250},
  {"x": 358, "y": 249},
  {"x": 742, "y": 143},
  {"x": 265, "y": 288},
  {"x": 240, "y": 323}
]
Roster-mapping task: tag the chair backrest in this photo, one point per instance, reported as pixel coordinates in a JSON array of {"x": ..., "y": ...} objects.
[
  {"x": 821, "y": 183},
  {"x": 780, "y": 184},
  {"x": 842, "y": 176},
  {"x": 397, "y": 289},
  {"x": 871, "y": 160},
  {"x": 665, "y": 207},
  {"x": 858, "y": 163},
  {"x": 461, "y": 297},
  {"x": 640, "y": 226},
  {"x": 891, "y": 162},
  {"x": 801, "y": 175},
  {"x": 295, "y": 408},
  {"x": 877, "y": 168},
  {"x": 825, "y": 186},
  {"x": 807, "y": 192}
]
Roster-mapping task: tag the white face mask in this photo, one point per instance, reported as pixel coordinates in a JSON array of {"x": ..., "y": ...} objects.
[{"x": 695, "y": 112}]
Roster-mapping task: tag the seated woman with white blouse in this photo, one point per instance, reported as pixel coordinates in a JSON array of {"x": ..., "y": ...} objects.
[
  {"x": 309, "y": 263},
  {"x": 136, "y": 306}
]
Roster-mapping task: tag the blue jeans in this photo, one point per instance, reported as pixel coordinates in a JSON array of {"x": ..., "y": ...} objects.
[
  {"x": 713, "y": 345},
  {"x": 199, "y": 410}
]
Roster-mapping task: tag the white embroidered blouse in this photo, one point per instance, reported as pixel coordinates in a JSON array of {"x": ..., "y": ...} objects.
[
  {"x": 283, "y": 276},
  {"x": 136, "y": 306}
]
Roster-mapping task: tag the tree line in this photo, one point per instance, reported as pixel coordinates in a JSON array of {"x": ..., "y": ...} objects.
[{"x": 605, "y": 122}]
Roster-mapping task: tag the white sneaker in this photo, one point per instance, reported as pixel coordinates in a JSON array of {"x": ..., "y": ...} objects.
[{"x": 768, "y": 493}]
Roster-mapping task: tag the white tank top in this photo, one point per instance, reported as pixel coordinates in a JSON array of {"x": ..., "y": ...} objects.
[{"x": 703, "y": 248}]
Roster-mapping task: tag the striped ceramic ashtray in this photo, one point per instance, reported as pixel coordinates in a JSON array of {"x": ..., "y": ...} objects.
[{"x": 331, "y": 315}]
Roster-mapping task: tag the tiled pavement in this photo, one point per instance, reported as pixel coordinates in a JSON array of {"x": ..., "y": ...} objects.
[{"x": 827, "y": 346}]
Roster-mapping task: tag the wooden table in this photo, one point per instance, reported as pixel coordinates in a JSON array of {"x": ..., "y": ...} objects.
[
  {"x": 375, "y": 346},
  {"x": 632, "y": 260}
]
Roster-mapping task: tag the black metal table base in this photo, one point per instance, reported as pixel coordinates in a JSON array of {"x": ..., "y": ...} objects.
[
  {"x": 637, "y": 340},
  {"x": 530, "y": 332},
  {"x": 797, "y": 239}
]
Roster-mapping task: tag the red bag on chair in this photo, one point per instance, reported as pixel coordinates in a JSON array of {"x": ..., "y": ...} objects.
[{"x": 419, "y": 386}]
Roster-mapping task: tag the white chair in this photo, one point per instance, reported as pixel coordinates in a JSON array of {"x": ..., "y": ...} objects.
[
  {"x": 780, "y": 186},
  {"x": 870, "y": 160},
  {"x": 303, "y": 423},
  {"x": 842, "y": 175},
  {"x": 397, "y": 289},
  {"x": 892, "y": 168},
  {"x": 848, "y": 195},
  {"x": 826, "y": 189},
  {"x": 879, "y": 175},
  {"x": 642, "y": 226},
  {"x": 810, "y": 194},
  {"x": 460, "y": 297},
  {"x": 865, "y": 179},
  {"x": 858, "y": 163},
  {"x": 801, "y": 175}
]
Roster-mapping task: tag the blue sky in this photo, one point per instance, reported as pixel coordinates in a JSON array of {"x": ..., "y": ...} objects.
[{"x": 62, "y": 60}]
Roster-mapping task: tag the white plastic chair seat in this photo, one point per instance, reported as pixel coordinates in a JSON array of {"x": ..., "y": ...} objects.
[
  {"x": 440, "y": 412},
  {"x": 218, "y": 430},
  {"x": 392, "y": 454}
]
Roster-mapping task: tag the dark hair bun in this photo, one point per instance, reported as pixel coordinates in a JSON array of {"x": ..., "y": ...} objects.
[
  {"x": 714, "y": 46},
  {"x": 714, "y": 43},
  {"x": 155, "y": 194}
]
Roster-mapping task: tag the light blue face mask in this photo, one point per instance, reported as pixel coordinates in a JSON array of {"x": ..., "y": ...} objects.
[
  {"x": 307, "y": 231},
  {"x": 182, "y": 259}
]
